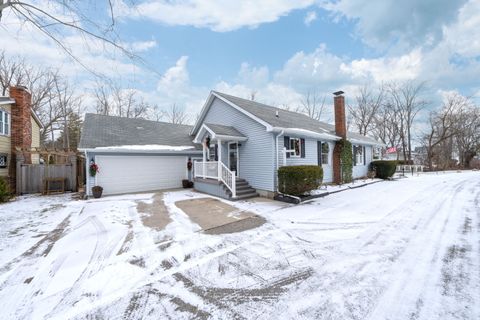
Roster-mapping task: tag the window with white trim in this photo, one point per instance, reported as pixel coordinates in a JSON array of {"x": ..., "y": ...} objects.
[
  {"x": 296, "y": 147},
  {"x": 359, "y": 155},
  {"x": 325, "y": 151},
  {"x": 376, "y": 153},
  {"x": 4, "y": 123}
]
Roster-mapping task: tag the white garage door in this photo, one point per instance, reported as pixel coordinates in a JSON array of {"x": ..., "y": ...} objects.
[{"x": 124, "y": 174}]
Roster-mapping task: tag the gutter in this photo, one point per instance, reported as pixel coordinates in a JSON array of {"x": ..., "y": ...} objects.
[
  {"x": 276, "y": 156},
  {"x": 194, "y": 151},
  {"x": 306, "y": 133}
]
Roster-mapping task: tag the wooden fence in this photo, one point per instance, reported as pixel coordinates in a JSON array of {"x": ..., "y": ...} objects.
[{"x": 31, "y": 178}]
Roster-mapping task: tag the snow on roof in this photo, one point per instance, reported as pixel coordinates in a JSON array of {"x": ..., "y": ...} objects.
[{"x": 147, "y": 147}]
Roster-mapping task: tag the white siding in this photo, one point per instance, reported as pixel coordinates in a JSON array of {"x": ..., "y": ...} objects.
[
  {"x": 132, "y": 173},
  {"x": 361, "y": 171}
]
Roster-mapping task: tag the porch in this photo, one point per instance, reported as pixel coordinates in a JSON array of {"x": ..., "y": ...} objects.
[{"x": 218, "y": 173}]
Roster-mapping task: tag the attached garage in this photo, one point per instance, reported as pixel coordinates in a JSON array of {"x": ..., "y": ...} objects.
[
  {"x": 136, "y": 173},
  {"x": 136, "y": 155}
]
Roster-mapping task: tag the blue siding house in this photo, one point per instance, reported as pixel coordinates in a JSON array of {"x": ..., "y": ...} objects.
[{"x": 244, "y": 143}]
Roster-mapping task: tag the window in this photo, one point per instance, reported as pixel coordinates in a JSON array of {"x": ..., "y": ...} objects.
[
  {"x": 3, "y": 160},
  {"x": 296, "y": 146},
  {"x": 4, "y": 123},
  {"x": 212, "y": 153},
  {"x": 359, "y": 155},
  {"x": 376, "y": 153},
  {"x": 325, "y": 150}
]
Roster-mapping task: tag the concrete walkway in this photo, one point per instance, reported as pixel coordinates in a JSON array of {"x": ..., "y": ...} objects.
[{"x": 217, "y": 217}]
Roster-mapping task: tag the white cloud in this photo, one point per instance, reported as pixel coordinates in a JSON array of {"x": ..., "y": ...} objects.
[
  {"x": 318, "y": 69},
  {"x": 220, "y": 15},
  {"x": 310, "y": 17},
  {"x": 176, "y": 77},
  {"x": 382, "y": 23},
  {"x": 404, "y": 67},
  {"x": 253, "y": 76},
  {"x": 141, "y": 46}
]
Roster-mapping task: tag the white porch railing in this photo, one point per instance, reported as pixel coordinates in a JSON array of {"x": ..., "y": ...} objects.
[
  {"x": 218, "y": 171},
  {"x": 228, "y": 178},
  {"x": 207, "y": 169}
]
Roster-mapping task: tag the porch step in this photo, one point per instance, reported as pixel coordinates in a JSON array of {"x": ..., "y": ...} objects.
[{"x": 243, "y": 190}]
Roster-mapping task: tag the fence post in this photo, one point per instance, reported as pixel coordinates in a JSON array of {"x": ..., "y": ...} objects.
[
  {"x": 73, "y": 173},
  {"x": 20, "y": 159}
]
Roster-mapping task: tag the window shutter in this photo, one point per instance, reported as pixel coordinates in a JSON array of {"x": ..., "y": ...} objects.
[
  {"x": 216, "y": 152},
  {"x": 354, "y": 155},
  {"x": 364, "y": 156},
  {"x": 286, "y": 144},
  {"x": 302, "y": 144},
  {"x": 319, "y": 152}
]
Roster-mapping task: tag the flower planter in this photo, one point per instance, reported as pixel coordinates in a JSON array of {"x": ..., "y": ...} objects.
[
  {"x": 187, "y": 183},
  {"x": 97, "y": 192}
]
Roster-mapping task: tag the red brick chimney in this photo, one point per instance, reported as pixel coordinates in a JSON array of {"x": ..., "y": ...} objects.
[
  {"x": 341, "y": 131},
  {"x": 340, "y": 122},
  {"x": 21, "y": 127}
]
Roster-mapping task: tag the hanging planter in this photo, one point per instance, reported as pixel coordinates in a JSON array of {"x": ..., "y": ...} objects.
[{"x": 93, "y": 169}]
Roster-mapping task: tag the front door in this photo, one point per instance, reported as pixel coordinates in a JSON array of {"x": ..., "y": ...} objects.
[{"x": 233, "y": 157}]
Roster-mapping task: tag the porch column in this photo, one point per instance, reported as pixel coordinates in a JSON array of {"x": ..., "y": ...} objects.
[
  {"x": 219, "y": 159},
  {"x": 204, "y": 160}
]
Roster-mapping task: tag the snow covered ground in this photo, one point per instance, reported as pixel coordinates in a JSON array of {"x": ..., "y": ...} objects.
[{"x": 405, "y": 249}]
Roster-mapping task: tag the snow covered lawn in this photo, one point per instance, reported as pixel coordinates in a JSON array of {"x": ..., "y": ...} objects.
[{"x": 407, "y": 249}]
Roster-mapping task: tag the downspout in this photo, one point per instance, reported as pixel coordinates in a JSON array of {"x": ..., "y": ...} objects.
[
  {"x": 275, "y": 178},
  {"x": 87, "y": 175}
]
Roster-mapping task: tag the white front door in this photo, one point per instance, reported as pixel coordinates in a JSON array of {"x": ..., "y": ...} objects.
[{"x": 233, "y": 163}]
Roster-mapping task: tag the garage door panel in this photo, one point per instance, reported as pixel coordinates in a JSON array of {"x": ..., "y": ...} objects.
[{"x": 123, "y": 174}]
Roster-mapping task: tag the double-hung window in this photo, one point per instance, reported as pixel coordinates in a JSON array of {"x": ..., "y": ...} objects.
[
  {"x": 296, "y": 147},
  {"x": 325, "y": 151},
  {"x": 359, "y": 155},
  {"x": 4, "y": 123}
]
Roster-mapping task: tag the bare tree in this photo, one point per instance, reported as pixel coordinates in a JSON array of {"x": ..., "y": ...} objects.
[
  {"x": 176, "y": 115},
  {"x": 388, "y": 125},
  {"x": 73, "y": 16},
  {"x": 406, "y": 98},
  {"x": 12, "y": 72},
  {"x": 365, "y": 111},
  {"x": 312, "y": 105},
  {"x": 443, "y": 126},
  {"x": 467, "y": 139},
  {"x": 111, "y": 99}
]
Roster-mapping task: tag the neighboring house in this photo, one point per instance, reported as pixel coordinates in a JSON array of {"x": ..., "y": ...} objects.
[
  {"x": 19, "y": 128},
  {"x": 236, "y": 147}
]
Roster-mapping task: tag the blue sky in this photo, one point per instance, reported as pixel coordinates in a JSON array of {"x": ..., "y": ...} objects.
[{"x": 279, "y": 49}]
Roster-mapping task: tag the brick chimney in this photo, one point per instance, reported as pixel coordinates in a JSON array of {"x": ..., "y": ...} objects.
[
  {"x": 21, "y": 127},
  {"x": 340, "y": 122},
  {"x": 341, "y": 131}
]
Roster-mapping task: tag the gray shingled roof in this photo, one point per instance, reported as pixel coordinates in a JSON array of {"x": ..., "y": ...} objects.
[
  {"x": 288, "y": 119},
  {"x": 107, "y": 131},
  {"x": 224, "y": 130}
]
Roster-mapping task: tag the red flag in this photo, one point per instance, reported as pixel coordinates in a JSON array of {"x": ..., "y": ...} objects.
[{"x": 392, "y": 150}]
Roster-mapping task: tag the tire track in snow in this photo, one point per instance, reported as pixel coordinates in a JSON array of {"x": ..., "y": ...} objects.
[{"x": 417, "y": 270}]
